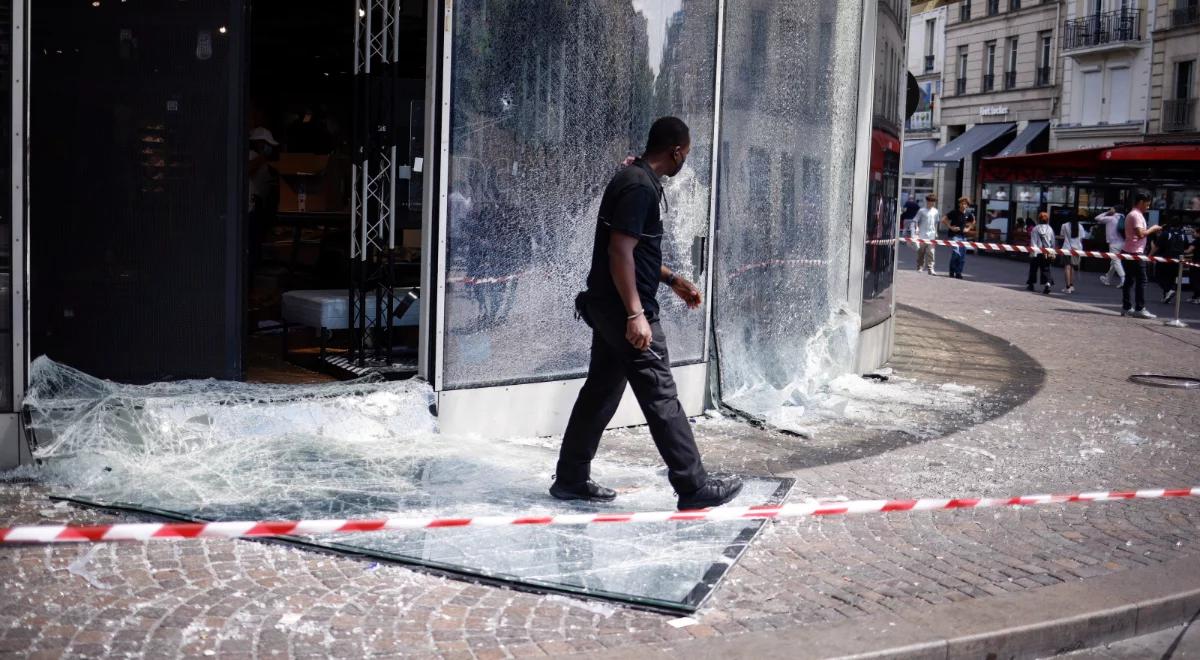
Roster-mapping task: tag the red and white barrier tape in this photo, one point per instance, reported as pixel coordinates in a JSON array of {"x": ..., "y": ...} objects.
[
  {"x": 1024, "y": 249},
  {"x": 228, "y": 530}
]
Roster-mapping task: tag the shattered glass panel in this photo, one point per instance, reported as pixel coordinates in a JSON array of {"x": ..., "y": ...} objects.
[
  {"x": 784, "y": 326},
  {"x": 230, "y": 451},
  {"x": 547, "y": 99}
]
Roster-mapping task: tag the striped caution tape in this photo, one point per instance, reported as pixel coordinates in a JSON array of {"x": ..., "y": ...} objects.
[
  {"x": 1025, "y": 249},
  {"x": 246, "y": 529}
]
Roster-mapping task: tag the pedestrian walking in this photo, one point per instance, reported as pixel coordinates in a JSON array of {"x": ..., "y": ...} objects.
[
  {"x": 1114, "y": 232},
  {"x": 925, "y": 226},
  {"x": 911, "y": 207},
  {"x": 1192, "y": 254},
  {"x": 1072, "y": 239},
  {"x": 1042, "y": 236},
  {"x": 1136, "y": 234},
  {"x": 959, "y": 224},
  {"x": 628, "y": 344},
  {"x": 1171, "y": 243}
]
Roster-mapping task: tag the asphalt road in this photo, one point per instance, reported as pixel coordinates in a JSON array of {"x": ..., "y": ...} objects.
[{"x": 1011, "y": 272}]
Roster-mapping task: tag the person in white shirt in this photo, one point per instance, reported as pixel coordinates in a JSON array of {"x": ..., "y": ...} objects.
[
  {"x": 925, "y": 225},
  {"x": 1042, "y": 236},
  {"x": 1072, "y": 239},
  {"x": 1111, "y": 219}
]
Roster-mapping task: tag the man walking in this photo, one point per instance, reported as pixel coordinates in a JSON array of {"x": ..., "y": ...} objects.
[
  {"x": 960, "y": 224},
  {"x": 1114, "y": 233},
  {"x": 1136, "y": 234},
  {"x": 925, "y": 226},
  {"x": 1042, "y": 236},
  {"x": 628, "y": 344}
]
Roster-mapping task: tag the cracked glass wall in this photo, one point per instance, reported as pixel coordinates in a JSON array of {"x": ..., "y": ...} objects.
[
  {"x": 789, "y": 102},
  {"x": 547, "y": 99}
]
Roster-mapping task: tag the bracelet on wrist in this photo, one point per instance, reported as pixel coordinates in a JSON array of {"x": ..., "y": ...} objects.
[
  {"x": 671, "y": 279},
  {"x": 634, "y": 316}
]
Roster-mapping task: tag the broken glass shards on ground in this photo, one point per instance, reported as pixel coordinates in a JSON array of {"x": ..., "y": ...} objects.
[{"x": 210, "y": 450}]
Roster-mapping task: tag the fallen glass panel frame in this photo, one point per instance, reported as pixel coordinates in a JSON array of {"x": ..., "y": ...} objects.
[
  {"x": 668, "y": 567},
  {"x": 209, "y": 450}
]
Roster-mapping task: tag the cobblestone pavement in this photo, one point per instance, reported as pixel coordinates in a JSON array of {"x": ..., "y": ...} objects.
[{"x": 1052, "y": 411}]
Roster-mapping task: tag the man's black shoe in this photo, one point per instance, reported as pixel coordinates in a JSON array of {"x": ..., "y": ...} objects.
[
  {"x": 589, "y": 491},
  {"x": 713, "y": 493}
]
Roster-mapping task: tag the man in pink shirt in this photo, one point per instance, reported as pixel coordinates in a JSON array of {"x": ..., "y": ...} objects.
[{"x": 1136, "y": 234}]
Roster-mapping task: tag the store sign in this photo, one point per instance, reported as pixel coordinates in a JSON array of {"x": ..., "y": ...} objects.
[{"x": 993, "y": 110}]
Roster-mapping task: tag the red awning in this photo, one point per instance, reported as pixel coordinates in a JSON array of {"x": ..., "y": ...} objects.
[{"x": 1141, "y": 163}]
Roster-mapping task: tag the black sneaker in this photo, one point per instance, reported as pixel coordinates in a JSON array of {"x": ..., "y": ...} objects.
[
  {"x": 1046, "y": 290},
  {"x": 1029, "y": 287},
  {"x": 588, "y": 491},
  {"x": 1169, "y": 296},
  {"x": 714, "y": 492}
]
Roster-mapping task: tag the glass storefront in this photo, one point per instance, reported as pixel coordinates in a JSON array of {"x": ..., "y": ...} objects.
[
  {"x": 789, "y": 103},
  {"x": 533, "y": 145}
]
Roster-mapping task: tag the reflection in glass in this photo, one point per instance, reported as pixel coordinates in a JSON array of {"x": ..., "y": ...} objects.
[
  {"x": 547, "y": 99},
  {"x": 786, "y": 178},
  {"x": 879, "y": 261}
]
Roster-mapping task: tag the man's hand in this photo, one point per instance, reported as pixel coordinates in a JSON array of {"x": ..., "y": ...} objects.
[
  {"x": 689, "y": 292},
  {"x": 637, "y": 331}
]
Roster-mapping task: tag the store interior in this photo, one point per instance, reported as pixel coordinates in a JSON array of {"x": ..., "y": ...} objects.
[
  {"x": 190, "y": 165},
  {"x": 302, "y": 116}
]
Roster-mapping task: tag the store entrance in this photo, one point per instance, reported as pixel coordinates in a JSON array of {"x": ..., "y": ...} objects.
[
  {"x": 326, "y": 256},
  {"x": 194, "y": 165}
]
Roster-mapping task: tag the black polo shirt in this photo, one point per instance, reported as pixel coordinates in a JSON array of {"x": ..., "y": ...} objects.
[{"x": 631, "y": 206}]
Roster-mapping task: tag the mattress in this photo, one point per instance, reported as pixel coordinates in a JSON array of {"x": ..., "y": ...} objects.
[{"x": 330, "y": 308}]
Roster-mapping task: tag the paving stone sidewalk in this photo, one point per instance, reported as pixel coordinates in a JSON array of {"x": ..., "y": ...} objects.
[{"x": 1052, "y": 411}]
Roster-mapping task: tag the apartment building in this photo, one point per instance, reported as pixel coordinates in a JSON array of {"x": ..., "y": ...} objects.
[
  {"x": 926, "y": 52},
  {"x": 1175, "y": 71},
  {"x": 1106, "y": 53},
  {"x": 1000, "y": 86}
]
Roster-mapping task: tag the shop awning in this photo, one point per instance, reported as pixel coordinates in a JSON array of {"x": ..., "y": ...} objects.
[
  {"x": 1031, "y": 133},
  {"x": 1132, "y": 164},
  {"x": 916, "y": 151},
  {"x": 978, "y": 137}
]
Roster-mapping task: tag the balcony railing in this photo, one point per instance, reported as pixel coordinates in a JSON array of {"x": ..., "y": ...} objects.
[
  {"x": 1110, "y": 27},
  {"x": 928, "y": 63},
  {"x": 989, "y": 82},
  {"x": 922, "y": 120},
  {"x": 960, "y": 86},
  {"x": 1179, "y": 115},
  {"x": 1010, "y": 79},
  {"x": 1185, "y": 13},
  {"x": 1043, "y": 76}
]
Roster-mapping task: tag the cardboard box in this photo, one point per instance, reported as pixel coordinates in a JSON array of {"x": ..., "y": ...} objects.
[{"x": 307, "y": 183}]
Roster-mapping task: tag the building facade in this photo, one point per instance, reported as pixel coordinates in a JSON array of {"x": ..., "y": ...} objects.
[
  {"x": 1001, "y": 68},
  {"x": 926, "y": 61},
  {"x": 1106, "y": 56},
  {"x": 1175, "y": 70}
]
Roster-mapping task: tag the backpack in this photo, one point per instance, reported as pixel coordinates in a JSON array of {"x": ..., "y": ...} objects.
[
  {"x": 1121, "y": 224},
  {"x": 1176, "y": 241}
]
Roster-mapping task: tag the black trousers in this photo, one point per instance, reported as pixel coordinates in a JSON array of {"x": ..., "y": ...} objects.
[
  {"x": 1135, "y": 278},
  {"x": 614, "y": 363},
  {"x": 1039, "y": 265}
]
